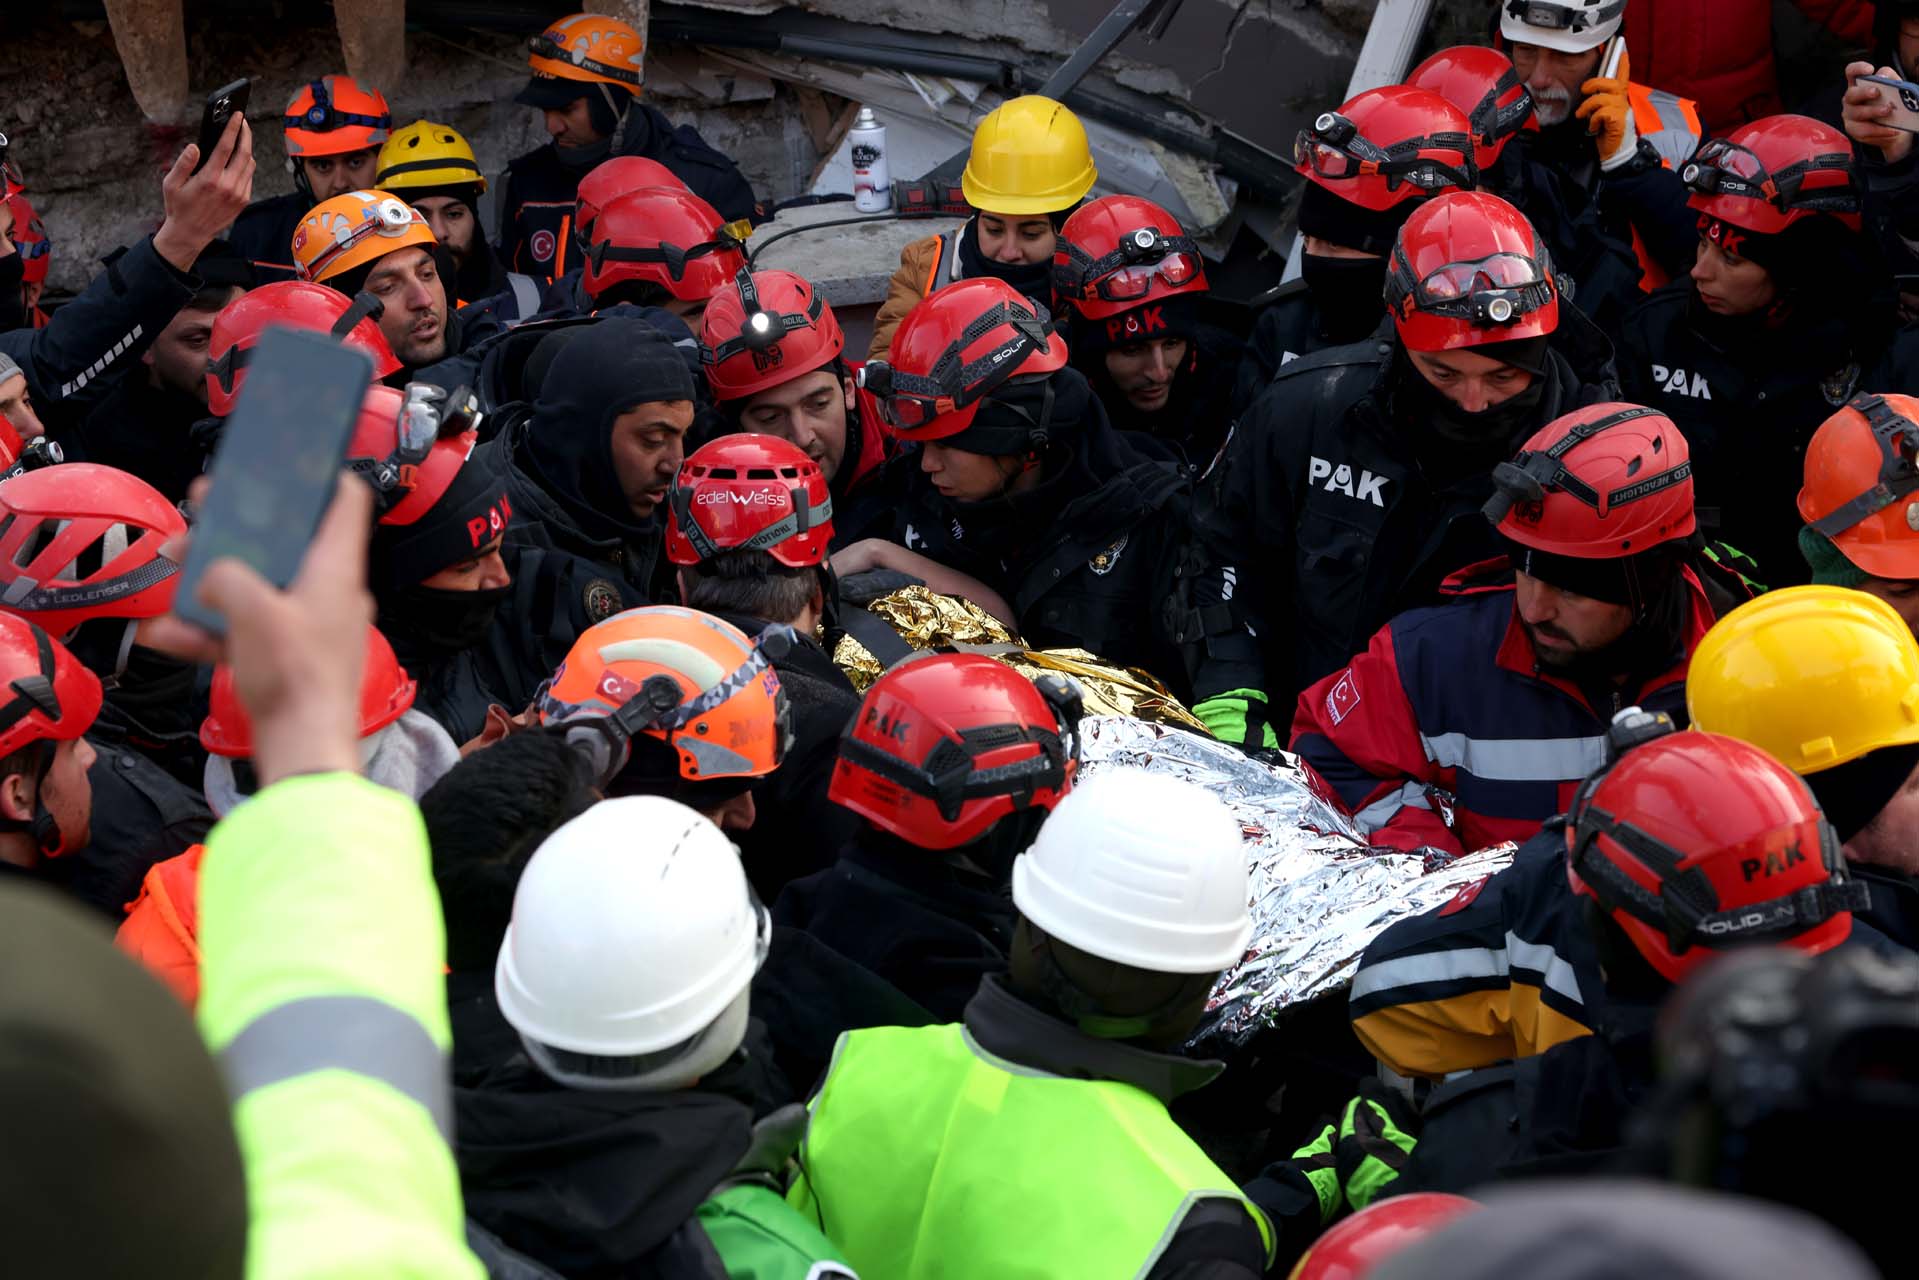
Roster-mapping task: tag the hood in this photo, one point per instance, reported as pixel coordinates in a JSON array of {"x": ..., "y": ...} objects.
[{"x": 588, "y": 1181}]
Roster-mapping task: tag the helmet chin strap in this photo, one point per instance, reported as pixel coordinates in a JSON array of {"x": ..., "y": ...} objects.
[{"x": 42, "y": 825}]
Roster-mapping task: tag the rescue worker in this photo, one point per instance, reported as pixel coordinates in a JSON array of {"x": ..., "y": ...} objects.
[
  {"x": 1351, "y": 209},
  {"x": 1354, "y": 483},
  {"x": 335, "y": 127},
  {"x": 950, "y": 765},
  {"x": 82, "y": 562},
  {"x": 1482, "y": 83},
  {"x": 1624, "y": 142},
  {"x": 1029, "y": 168},
  {"x": 1781, "y": 321},
  {"x": 432, "y": 167},
  {"x": 1021, "y": 482},
  {"x": 677, "y": 703},
  {"x": 144, "y": 424},
  {"x": 1682, "y": 847},
  {"x": 45, "y": 801},
  {"x": 658, "y": 247},
  {"x": 748, "y": 525},
  {"x": 371, "y": 242},
  {"x": 1472, "y": 722},
  {"x": 1133, "y": 284},
  {"x": 401, "y": 749},
  {"x": 1821, "y": 678},
  {"x": 586, "y": 79},
  {"x": 787, "y": 376},
  {"x": 626, "y": 973},
  {"x": 1130, "y": 901},
  {"x": 1858, "y": 488}
]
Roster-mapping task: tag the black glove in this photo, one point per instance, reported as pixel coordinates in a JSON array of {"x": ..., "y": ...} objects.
[{"x": 865, "y": 587}]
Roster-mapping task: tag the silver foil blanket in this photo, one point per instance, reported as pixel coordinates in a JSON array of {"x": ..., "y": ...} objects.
[{"x": 1319, "y": 893}]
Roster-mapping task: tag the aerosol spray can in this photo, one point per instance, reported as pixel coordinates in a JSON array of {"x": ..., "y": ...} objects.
[{"x": 872, "y": 182}]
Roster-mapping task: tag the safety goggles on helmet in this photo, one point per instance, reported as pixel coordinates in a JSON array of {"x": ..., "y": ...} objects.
[
  {"x": 1686, "y": 906},
  {"x": 1532, "y": 473},
  {"x": 731, "y": 236},
  {"x": 1563, "y": 17},
  {"x": 1334, "y": 148},
  {"x": 226, "y": 367},
  {"x": 949, "y": 776},
  {"x": 1898, "y": 439},
  {"x": 1723, "y": 168},
  {"x": 388, "y": 216},
  {"x": 606, "y": 738},
  {"x": 1493, "y": 290},
  {"x": 324, "y": 117},
  {"x": 545, "y": 46},
  {"x": 761, "y": 330},
  {"x": 1490, "y": 121},
  {"x": 911, "y": 400},
  {"x": 1128, "y": 271}
]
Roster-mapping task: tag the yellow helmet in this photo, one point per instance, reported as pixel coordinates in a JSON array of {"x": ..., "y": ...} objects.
[
  {"x": 1816, "y": 676},
  {"x": 340, "y": 234},
  {"x": 1029, "y": 156},
  {"x": 425, "y": 154}
]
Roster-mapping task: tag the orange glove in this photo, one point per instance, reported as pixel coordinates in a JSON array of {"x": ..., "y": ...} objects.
[{"x": 1607, "y": 112}]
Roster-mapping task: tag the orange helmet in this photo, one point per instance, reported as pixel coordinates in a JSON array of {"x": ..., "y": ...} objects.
[
  {"x": 334, "y": 115},
  {"x": 588, "y": 47},
  {"x": 386, "y": 691},
  {"x": 682, "y": 677},
  {"x": 1862, "y": 474},
  {"x": 351, "y": 230}
]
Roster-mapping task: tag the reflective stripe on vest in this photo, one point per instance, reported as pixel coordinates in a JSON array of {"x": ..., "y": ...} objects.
[
  {"x": 1516, "y": 759},
  {"x": 1668, "y": 121},
  {"x": 359, "y": 1034},
  {"x": 1459, "y": 964},
  {"x": 526, "y": 293},
  {"x": 927, "y": 1156}
]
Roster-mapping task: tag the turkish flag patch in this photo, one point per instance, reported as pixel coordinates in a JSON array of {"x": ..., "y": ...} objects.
[
  {"x": 1464, "y": 898},
  {"x": 1343, "y": 697}
]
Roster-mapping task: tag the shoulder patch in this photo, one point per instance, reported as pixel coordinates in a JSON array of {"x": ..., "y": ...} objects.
[
  {"x": 1343, "y": 698},
  {"x": 600, "y": 598},
  {"x": 1465, "y": 897}
]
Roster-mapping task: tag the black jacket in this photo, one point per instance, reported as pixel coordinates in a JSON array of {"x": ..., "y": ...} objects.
[
  {"x": 917, "y": 923},
  {"x": 144, "y": 430},
  {"x": 538, "y": 190},
  {"x": 1594, "y": 253},
  {"x": 1748, "y": 398},
  {"x": 141, "y": 815},
  {"x": 263, "y": 234},
  {"x": 1345, "y": 511},
  {"x": 1203, "y": 403},
  {"x": 1640, "y": 196},
  {"x": 1217, "y": 1240},
  {"x": 1895, "y": 903},
  {"x": 798, "y": 830},
  {"x": 1104, "y": 555}
]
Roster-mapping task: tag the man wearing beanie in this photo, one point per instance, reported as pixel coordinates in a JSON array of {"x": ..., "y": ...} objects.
[
  {"x": 1784, "y": 317},
  {"x": 586, "y": 82},
  {"x": 1472, "y": 722},
  {"x": 1826, "y": 680},
  {"x": 1354, "y": 482},
  {"x": 1134, "y": 284}
]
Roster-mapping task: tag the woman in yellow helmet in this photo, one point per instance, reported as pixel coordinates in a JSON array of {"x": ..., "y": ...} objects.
[{"x": 1030, "y": 167}]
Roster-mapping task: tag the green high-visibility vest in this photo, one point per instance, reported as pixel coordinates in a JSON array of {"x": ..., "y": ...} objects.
[{"x": 926, "y": 1156}]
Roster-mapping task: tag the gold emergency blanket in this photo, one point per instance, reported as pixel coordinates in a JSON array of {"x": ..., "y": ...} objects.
[{"x": 926, "y": 619}]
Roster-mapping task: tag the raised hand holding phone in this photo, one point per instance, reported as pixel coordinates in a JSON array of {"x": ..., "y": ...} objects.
[{"x": 222, "y": 105}]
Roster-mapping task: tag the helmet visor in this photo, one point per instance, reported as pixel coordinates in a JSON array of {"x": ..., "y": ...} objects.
[
  {"x": 1136, "y": 281},
  {"x": 1722, "y": 168},
  {"x": 1334, "y": 148},
  {"x": 1496, "y": 289}
]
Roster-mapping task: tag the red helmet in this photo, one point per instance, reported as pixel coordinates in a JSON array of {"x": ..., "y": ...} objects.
[
  {"x": 952, "y": 349},
  {"x": 334, "y": 115},
  {"x": 1481, "y": 82},
  {"x": 83, "y": 541},
  {"x": 1468, "y": 268},
  {"x": 1352, "y": 1247},
  {"x": 11, "y": 444},
  {"x": 296, "y": 304},
  {"x": 1120, "y": 252},
  {"x": 30, "y": 237},
  {"x": 1603, "y": 481},
  {"x": 1387, "y": 146},
  {"x": 769, "y": 328},
  {"x": 750, "y": 493},
  {"x": 1769, "y": 174},
  {"x": 672, "y": 239},
  {"x": 409, "y": 445},
  {"x": 611, "y": 179},
  {"x": 386, "y": 691},
  {"x": 945, "y": 745},
  {"x": 50, "y": 696},
  {"x": 1694, "y": 842}
]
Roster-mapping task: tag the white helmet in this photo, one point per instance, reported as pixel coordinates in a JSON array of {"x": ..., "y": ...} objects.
[
  {"x": 1570, "y": 26},
  {"x": 1140, "y": 869},
  {"x": 634, "y": 932}
]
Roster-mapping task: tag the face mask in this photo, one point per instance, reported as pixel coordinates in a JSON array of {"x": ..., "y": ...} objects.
[
  {"x": 584, "y": 157},
  {"x": 1346, "y": 292},
  {"x": 1499, "y": 425},
  {"x": 438, "y": 623}
]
